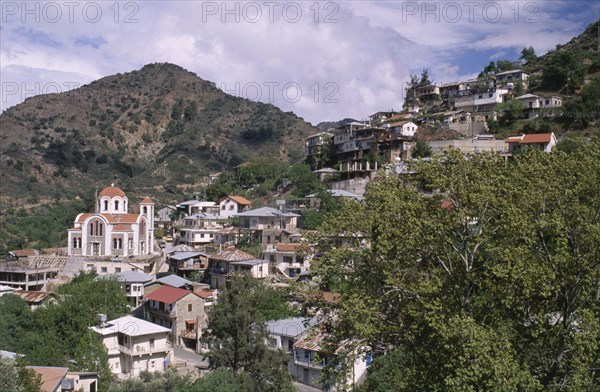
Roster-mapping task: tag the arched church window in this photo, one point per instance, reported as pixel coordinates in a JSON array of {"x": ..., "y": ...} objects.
[
  {"x": 105, "y": 205},
  {"x": 145, "y": 210},
  {"x": 116, "y": 205}
]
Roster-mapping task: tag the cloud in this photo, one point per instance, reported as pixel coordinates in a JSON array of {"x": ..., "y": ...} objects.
[{"x": 348, "y": 58}]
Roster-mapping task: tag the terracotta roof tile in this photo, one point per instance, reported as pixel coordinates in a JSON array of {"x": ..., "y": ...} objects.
[
  {"x": 241, "y": 200},
  {"x": 147, "y": 200},
  {"x": 112, "y": 191},
  {"x": 168, "y": 294}
]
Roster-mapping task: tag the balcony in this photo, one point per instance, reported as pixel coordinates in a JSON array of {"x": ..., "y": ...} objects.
[
  {"x": 160, "y": 312},
  {"x": 219, "y": 271},
  {"x": 142, "y": 349},
  {"x": 313, "y": 364},
  {"x": 190, "y": 334}
]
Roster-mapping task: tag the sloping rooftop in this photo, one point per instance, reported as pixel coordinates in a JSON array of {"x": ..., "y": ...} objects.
[
  {"x": 266, "y": 212},
  {"x": 233, "y": 254},
  {"x": 290, "y": 327},
  {"x": 250, "y": 263},
  {"x": 530, "y": 138},
  {"x": 173, "y": 281},
  {"x": 179, "y": 248},
  {"x": 168, "y": 294},
  {"x": 130, "y": 326},
  {"x": 179, "y": 256},
  {"x": 339, "y": 193},
  {"x": 35, "y": 297},
  {"x": 241, "y": 200},
  {"x": 51, "y": 376},
  {"x": 133, "y": 277}
]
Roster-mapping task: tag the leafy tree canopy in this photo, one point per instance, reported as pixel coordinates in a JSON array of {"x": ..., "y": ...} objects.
[{"x": 488, "y": 283}]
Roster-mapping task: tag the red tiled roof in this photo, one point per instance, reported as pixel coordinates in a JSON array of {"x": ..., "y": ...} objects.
[
  {"x": 530, "y": 138},
  {"x": 241, "y": 200},
  {"x": 398, "y": 124},
  {"x": 112, "y": 191},
  {"x": 289, "y": 247},
  {"x": 111, "y": 218},
  {"x": 204, "y": 294},
  {"x": 168, "y": 294},
  {"x": 51, "y": 376},
  {"x": 147, "y": 200},
  {"x": 537, "y": 138},
  {"x": 122, "y": 228}
]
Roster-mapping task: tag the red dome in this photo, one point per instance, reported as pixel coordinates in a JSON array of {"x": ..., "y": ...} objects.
[{"x": 112, "y": 191}]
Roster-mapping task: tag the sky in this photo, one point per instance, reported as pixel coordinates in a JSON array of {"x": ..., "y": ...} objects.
[{"x": 323, "y": 60}]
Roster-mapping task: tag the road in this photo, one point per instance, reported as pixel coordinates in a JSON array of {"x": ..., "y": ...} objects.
[{"x": 188, "y": 356}]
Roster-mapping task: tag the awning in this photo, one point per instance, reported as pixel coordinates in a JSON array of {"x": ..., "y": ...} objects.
[{"x": 190, "y": 321}]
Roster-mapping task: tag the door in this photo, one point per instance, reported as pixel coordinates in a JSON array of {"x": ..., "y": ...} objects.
[{"x": 305, "y": 378}]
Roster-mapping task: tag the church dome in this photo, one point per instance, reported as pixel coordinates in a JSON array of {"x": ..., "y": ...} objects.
[{"x": 112, "y": 191}]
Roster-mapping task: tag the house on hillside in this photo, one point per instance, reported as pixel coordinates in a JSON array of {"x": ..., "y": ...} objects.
[
  {"x": 35, "y": 299},
  {"x": 311, "y": 356},
  {"x": 235, "y": 261},
  {"x": 534, "y": 106},
  {"x": 181, "y": 311},
  {"x": 186, "y": 263},
  {"x": 264, "y": 218},
  {"x": 233, "y": 205},
  {"x": 287, "y": 259},
  {"x": 134, "y": 345},
  {"x": 133, "y": 283},
  {"x": 61, "y": 379},
  {"x": 313, "y": 200},
  {"x": 542, "y": 141},
  {"x": 283, "y": 333},
  {"x": 31, "y": 273}
]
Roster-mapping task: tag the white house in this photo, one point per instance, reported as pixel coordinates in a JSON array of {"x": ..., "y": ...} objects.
[
  {"x": 543, "y": 141},
  {"x": 311, "y": 356},
  {"x": 283, "y": 333},
  {"x": 134, "y": 345},
  {"x": 286, "y": 259},
  {"x": 267, "y": 218},
  {"x": 480, "y": 102},
  {"x": 534, "y": 105},
  {"x": 232, "y": 205},
  {"x": 200, "y": 228},
  {"x": 403, "y": 128}
]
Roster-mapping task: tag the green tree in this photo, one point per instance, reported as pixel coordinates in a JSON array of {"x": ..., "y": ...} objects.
[
  {"x": 304, "y": 181},
  {"x": 528, "y": 54},
  {"x": 15, "y": 320},
  {"x": 15, "y": 377},
  {"x": 224, "y": 380},
  {"x": 563, "y": 72},
  {"x": 489, "y": 285},
  {"x": 91, "y": 356},
  {"x": 168, "y": 381},
  {"x": 421, "y": 149},
  {"x": 238, "y": 336}
]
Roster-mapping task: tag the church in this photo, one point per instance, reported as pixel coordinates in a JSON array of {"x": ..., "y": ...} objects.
[{"x": 111, "y": 231}]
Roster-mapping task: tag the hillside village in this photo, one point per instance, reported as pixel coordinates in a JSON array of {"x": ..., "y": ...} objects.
[{"x": 175, "y": 264}]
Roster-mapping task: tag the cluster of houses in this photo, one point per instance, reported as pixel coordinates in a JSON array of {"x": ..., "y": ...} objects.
[{"x": 465, "y": 107}]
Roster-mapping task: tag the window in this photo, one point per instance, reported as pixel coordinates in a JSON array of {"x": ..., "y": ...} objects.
[
  {"x": 152, "y": 347},
  {"x": 547, "y": 102},
  {"x": 223, "y": 207},
  {"x": 117, "y": 269},
  {"x": 189, "y": 307},
  {"x": 105, "y": 205},
  {"x": 103, "y": 269},
  {"x": 481, "y": 96},
  {"x": 145, "y": 210},
  {"x": 490, "y": 95},
  {"x": 116, "y": 205},
  {"x": 151, "y": 362}
]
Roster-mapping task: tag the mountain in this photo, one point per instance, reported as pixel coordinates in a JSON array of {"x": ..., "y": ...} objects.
[
  {"x": 153, "y": 131},
  {"x": 325, "y": 125}
]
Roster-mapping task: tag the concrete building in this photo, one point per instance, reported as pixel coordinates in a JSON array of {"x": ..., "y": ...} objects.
[{"x": 134, "y": 345}]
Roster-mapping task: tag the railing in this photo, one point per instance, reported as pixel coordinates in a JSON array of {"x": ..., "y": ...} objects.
[
  {"x": 161, "y": 312},
  {"x": 188, "y": 334}
]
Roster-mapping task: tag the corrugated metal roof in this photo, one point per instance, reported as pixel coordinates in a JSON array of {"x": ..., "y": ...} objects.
[
  {"x": 130, "y": 326},
  {"x": 32, "y": 296},
  {"x": 233, "y": 255}
]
